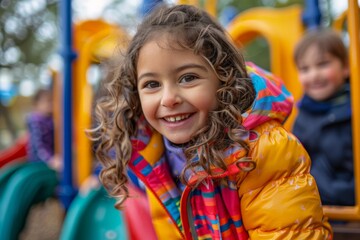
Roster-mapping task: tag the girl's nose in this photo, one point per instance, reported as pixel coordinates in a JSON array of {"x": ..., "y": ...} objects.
[{"x": 170, "y": 97}]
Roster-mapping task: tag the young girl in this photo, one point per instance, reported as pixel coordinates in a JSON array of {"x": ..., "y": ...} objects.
[
  {"x": 323, "y": 124},
  {"x": 215, "y": 162}
]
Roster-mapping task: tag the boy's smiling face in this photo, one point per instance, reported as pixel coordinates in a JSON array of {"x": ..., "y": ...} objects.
[
  {"x": 177, "y": 89},
  {"x": 321, "y": 74}
]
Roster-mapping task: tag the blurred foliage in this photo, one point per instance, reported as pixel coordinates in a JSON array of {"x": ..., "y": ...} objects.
[{"x": 28, "y": 36}]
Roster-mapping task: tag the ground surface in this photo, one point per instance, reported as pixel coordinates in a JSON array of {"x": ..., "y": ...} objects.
[{"x": 44, "y": 221}]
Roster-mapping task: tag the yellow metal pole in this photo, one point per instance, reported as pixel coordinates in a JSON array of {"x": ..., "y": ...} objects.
[
  {"x": 87, "y": 36},
  {"x": 353, "y": 26},
  {"x": 352, "y": 213},
  {"x": 107, "y": 39}
]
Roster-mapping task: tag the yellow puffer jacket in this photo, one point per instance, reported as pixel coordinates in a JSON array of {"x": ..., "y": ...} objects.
[{"x": 279, "y": 199}]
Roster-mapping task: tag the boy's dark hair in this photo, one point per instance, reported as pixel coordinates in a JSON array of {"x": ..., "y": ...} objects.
[{"x": 326, "y": 41}]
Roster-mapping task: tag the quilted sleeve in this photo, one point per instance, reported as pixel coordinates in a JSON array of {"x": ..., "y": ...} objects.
[{"x": 279, "y": 198}]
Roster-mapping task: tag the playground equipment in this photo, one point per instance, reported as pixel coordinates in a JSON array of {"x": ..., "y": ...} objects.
[
  {"x": 16, "y": 152},
  {"x": 352, "y": 14},
  {"x": 94, "y": 40},
  {"x": 92, "y": 216},
  {"x": 209, "y": 5},
  {"x": 21, "y": 186},
  {"x": 270, "y": 24}
]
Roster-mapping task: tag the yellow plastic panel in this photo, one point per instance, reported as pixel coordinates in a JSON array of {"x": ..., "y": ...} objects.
[
  {"x": 338, "y": 23},
  {"x": 282, "y": 28},
  {"x": 209, "y": 5},
  {"x": 94, "y": 40}
]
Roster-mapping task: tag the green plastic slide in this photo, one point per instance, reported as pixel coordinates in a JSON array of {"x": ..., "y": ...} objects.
[
  {"x": 22, "y": 187},
  {"x": 92, "y": 217},
  {"x": 6, "y": 173}
]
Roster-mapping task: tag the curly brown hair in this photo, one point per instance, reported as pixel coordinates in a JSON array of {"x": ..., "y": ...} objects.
[{"x": 119, "y": 111}]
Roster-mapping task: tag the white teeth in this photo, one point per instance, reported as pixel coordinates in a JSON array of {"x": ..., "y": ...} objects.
[{"x": 176, "y": 118}]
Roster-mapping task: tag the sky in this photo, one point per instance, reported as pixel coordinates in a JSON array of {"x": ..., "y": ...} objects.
[
  {"x": 338, "y": 6},
  {"x": 92, "y": 9}
]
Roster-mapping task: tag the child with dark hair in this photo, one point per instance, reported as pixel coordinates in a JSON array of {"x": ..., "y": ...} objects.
[
  {"x": 323, "y": 124},
  {"x": 203, "y": 132}
]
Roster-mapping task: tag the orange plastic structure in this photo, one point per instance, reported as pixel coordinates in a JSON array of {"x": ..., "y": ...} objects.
[
  {"x": 93, "y": 40},
  {"x": 209, "y": 5},
  {"x": 282, "y": 28}
]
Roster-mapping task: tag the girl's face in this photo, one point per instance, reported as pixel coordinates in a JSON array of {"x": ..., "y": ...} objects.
[
  {"x": 321, "y": 74},
  {"x": 177, "y": 89}
]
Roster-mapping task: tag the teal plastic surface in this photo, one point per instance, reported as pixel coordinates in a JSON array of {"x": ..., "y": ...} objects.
[
  {"x": 6, "y": 172},
  {"x": 93, "y": 217},
  {"x": 29, "y": 184}
]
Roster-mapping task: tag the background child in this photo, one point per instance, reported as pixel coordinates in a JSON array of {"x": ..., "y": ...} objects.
[
  {"x": 41, "y": 130},
  {"x": 203, "y": 133},
  {"x": 323, "y": 124}
]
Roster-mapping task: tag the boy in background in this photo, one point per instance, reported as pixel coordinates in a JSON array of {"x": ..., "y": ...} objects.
[{"x": 323, "y": 124}]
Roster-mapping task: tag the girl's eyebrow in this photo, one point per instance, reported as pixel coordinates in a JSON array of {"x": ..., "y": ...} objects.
[
  {"x": 179, "y": 69},
  {"x": 148, "y": 74},
  {"x": 191, "y": 65}
]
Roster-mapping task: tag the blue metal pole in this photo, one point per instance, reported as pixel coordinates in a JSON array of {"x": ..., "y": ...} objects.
[
  {"x": 311, "y": 15},
  {"x": 67, "y": 191},
  {"x": 148, "y": 5}
]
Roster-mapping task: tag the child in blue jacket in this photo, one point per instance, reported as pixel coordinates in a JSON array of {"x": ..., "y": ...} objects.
[{"x": 323, "y": 124}]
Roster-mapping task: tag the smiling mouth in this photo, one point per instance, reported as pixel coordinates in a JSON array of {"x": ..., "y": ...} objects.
[
  {"x": 176, "y": 118},
  {"x": 318, "y": 84}
]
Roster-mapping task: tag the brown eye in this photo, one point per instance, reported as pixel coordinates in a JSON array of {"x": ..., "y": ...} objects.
[
  {"x": 151, "y": 84},
  {"x": 188, "y": 78}
]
